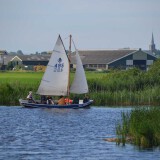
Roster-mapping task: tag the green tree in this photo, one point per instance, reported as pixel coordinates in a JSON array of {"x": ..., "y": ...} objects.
[
  {"x": 10, "y": 66},
  {"x": 19, "y": 52}
]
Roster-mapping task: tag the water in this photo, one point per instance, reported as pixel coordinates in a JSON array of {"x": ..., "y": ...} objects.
[{"x": 57, "y": 134}]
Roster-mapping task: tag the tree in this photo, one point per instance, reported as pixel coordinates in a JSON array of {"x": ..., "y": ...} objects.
[
  {"x": 19, "y": 52},
  {"x": 10, "y": 66}
]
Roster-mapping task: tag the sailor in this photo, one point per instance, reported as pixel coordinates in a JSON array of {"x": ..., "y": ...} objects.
[
  {"x": 49, "y": 100},
  {"x": 61, "y": 101},
  {"x": 43, "y": 99},
  {"x": 30, "y": 97},
  {"x": 86, "y": 99},
  {"x": 76, "y": 100}
]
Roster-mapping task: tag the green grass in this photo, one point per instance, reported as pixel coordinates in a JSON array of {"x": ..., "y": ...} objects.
[
  {"x": 23, "y": 77},
  {"x": 15, "y": 85}
]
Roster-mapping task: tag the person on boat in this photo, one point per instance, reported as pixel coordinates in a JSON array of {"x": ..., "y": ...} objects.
[
  {"x": 49, "y": 100},
  {"x": 68, "y": 101},
  {"x": 61, "y": 101},
  {"x": 86, "y": 99},
  {"x": 43, "y": 99},
  {"x": 30, "y": 97},
  {"x": 75, "y": 100}
]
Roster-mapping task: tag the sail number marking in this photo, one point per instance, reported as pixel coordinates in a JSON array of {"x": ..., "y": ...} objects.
[{"x": 58, "y": 67}]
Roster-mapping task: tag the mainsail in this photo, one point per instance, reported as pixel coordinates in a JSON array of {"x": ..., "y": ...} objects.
[
  {"x": 79, "y": 85},
  {"x": 55, "y": 79}
]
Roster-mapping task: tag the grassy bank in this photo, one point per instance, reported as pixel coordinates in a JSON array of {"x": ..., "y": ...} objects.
[
  {"x": 117, "y": 88},
  {"x": 15, "y": 85},
  {"x": 141, "y": 126}
]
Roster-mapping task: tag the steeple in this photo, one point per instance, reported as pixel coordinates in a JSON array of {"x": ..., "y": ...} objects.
[
  {"x": 152, "y": 41},
  {"x": 152, "y": 46}
]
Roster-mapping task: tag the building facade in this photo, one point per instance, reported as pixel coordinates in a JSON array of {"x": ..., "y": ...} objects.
[
  {"x": 117, "y": 59},
  {"x": 92, "y": 59},
  {"x": 139, "y": 59}
]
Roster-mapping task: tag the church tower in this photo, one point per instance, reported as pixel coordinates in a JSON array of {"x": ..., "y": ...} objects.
[{"x": 152, "y": 46}]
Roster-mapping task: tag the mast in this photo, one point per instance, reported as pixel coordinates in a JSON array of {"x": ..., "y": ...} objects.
[
  {"x": 70, "y": 41},
  {"x": 69, "y": 58}
]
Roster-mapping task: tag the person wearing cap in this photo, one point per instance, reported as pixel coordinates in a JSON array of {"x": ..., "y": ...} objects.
[{"x": 30, "y": 98}]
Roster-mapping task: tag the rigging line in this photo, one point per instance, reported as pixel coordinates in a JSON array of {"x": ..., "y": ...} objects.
[{"x": 74, "y": 44}]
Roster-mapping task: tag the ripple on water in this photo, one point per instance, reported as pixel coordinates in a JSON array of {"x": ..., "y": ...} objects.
[{"x": 64, "y": 134}]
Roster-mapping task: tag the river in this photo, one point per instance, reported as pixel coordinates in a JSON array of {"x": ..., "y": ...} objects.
[{"x": 61, "y": 134}]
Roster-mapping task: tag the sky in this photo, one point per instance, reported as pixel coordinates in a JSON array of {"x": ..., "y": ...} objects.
[{"x": 34, "y": 25}]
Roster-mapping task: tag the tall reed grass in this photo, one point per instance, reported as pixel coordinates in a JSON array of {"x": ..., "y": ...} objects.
[
  {"x": 141, "y": 126},
  {"x": 131, "y": 87},
  {"x": 15, "y": 85}
]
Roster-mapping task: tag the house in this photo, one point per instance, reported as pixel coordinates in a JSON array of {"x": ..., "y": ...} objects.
[
  {"x": 4, "y": 60},
  {"x": 3, "y": 52},
  {"x": 139, "y": 59},
  {"x": 98, "y": 59},
  {"x": 29, "y": 61},
  {"x": 116, "y": 59}
]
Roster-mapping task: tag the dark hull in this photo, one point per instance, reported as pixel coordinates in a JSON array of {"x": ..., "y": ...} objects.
[{"x": 38, "y": 105}]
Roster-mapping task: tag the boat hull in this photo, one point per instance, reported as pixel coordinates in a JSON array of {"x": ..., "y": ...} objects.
[{"x": 25, "y": 103}]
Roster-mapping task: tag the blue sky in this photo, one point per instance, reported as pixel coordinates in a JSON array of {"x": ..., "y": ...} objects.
[{"x": 33, "y": 25}]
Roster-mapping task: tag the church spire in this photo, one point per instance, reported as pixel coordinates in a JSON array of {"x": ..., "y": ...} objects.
[
  {"x": 152, "y": 41},
  {"x": 152, "y": 46}
]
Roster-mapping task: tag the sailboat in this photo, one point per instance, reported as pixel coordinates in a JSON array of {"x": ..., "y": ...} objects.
[{"x": 56, "y": 79}]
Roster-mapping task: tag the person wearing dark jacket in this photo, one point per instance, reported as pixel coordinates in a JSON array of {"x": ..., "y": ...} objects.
[{"x": 86, "y": 99}]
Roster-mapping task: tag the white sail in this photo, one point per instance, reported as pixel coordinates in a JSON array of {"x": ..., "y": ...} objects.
[
  {"x": 56, "y": 76},
  {"x": 79, "y": 85}
]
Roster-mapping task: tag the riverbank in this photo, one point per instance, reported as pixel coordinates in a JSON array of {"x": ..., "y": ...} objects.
[{"x": 112, "y": 88}]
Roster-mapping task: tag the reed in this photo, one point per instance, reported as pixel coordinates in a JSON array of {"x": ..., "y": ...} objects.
[
  {"x": 141, "y": 126},
  {"x": 11, "y": 92},
  {"x": 15, "y": 85},
  {"x": 114, "y": 88}
]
